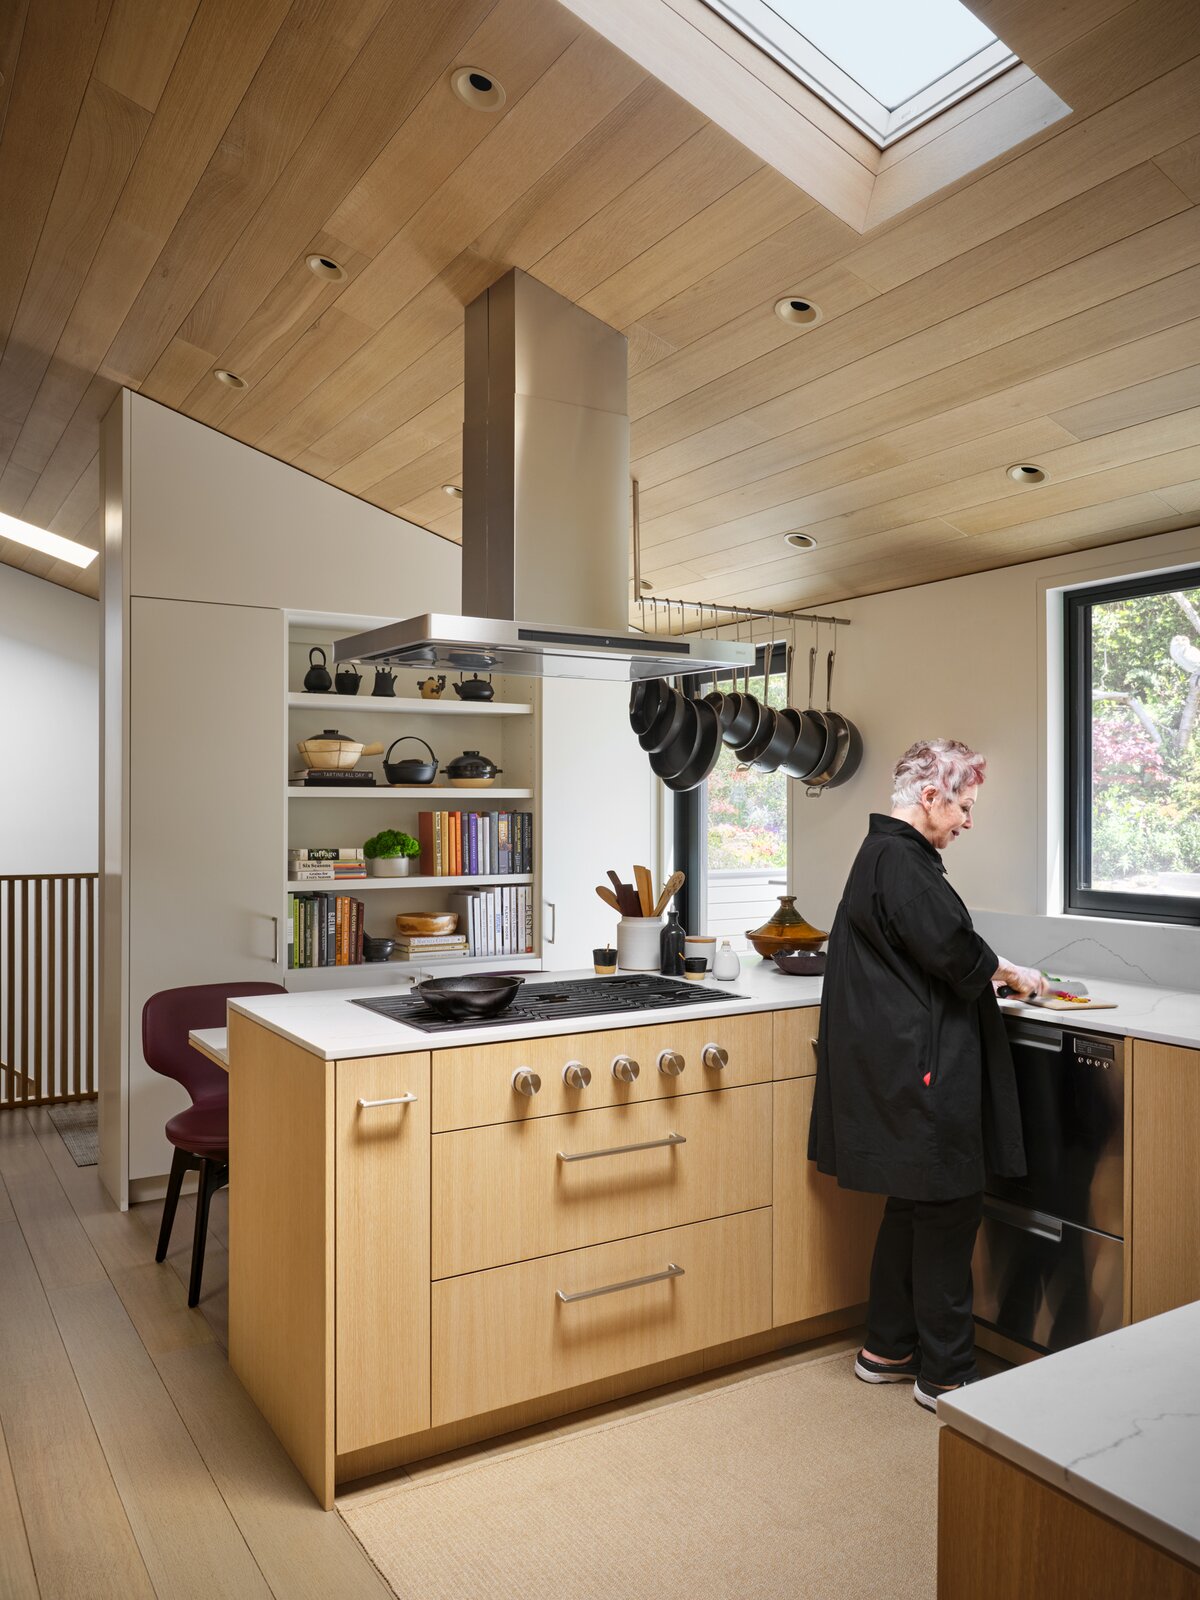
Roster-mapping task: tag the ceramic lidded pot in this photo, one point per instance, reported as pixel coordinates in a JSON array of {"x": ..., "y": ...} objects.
[
  {"x": 471, "y": 771},
  {"x": 786, "y": 930}
]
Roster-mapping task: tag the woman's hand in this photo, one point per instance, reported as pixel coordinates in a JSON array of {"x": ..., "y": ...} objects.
[{"x": 1024, "y": 980}]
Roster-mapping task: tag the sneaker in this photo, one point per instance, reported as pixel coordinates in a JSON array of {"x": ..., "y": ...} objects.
[
  {"x": 928, "y": 1395},
  {"x": 886, "y": 1371}
]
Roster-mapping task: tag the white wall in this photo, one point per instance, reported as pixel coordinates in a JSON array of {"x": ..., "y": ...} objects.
[
  {"x": 49, "y": 692},
  {"x": 970, "y": 659}
]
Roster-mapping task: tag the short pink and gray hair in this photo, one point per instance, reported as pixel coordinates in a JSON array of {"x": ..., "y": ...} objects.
[{"x": 948, "y": 764}]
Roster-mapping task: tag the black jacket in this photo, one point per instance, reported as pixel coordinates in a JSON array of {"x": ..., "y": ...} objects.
[{"x": 915, "y": 1084}]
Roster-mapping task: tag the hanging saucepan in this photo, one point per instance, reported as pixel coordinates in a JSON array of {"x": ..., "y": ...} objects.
[
  {"x": 816, "y": 722},
  {"x": 737, "y": 716},
  {"x": 669, "y": 719},
  {"x": 839, "y": 746},
  {"x": 783, "y": 737},
  {"x": 809, "y": 745},
  {"x": 850, "y": 752},
  {"x": 705, "y": 752},
  {"x": 752, "y": 747},
  {"x": 677, "y": 753},
  {"x": 646, "y": 699},
  {"x": 410, "y": 770}
]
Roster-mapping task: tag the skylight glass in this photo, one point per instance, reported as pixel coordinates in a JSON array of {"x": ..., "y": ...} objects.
[{"x": 886, "y": 65}]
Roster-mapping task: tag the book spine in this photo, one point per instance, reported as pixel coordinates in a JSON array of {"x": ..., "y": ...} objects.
[
  {"x": 473, "y": 843},
  {"x": 458, "y": 844},
  {"x": 337, "y": 853},
  {"x": 425, "y": 838}
]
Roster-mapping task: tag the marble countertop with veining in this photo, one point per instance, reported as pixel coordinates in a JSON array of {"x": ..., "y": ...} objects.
[{"x": 1114, "y": 1423}]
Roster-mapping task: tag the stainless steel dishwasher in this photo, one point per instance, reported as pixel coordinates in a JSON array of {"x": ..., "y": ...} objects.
[{"x": 1050, "y": 1256}]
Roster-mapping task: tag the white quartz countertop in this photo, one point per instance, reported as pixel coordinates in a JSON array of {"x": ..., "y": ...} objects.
[
  {"x": 331, "y": 1027},
  {"x": 328, "y": 1025},
  {"x": 1114, "y": 1422}
]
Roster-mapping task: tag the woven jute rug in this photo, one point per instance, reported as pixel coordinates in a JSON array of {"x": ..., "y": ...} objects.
[
  {"x": 79, "y": 1125},
  {"x": 800, "y": 1482}
]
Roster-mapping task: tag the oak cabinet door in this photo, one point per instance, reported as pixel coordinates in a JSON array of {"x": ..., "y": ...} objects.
[
  {"x": 382, "y": 1275},
  {"x": 1165, "y": 1244},
  {"x": 823, "y": 1235}
]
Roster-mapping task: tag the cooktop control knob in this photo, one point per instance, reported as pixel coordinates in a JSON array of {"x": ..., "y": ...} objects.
[
  {"x": 576, "y": 1075},
  {"x": 670, "y": 1063},
  {"x": 526, "y": 1081},
  {"x": 715, "y": 1057},
  {"x": 625, "y": 1069}
]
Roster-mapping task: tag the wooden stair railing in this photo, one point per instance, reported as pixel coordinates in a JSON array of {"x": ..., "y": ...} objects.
[{"x": 48, "y": 987}]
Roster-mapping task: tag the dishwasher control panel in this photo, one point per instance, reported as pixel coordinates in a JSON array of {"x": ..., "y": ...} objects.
[{"x": 1094, "y": 1052}]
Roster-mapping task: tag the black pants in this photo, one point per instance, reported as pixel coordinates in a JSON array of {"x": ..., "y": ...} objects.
[{"x": 921, "y": 1285}]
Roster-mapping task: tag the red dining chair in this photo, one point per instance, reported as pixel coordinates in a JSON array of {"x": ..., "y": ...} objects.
[{"x": 200, "y": 1134}]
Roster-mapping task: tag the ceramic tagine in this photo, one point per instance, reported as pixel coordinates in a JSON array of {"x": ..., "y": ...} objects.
[{"x": 786, "y": 930}]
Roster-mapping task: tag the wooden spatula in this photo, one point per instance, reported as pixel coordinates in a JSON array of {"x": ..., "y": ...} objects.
[
  {"x": 672, "y": 887},
  {"x": 609, "y": 898},
  {"x": 645, "y": 889},
  {"x": 627, "y": 896}
]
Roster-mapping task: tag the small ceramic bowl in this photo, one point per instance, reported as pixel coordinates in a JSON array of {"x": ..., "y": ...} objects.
[
  {"x": 695, "y": 968},
  {"x": 377, "y": 949},
  {"x": 605, "y": 961}
]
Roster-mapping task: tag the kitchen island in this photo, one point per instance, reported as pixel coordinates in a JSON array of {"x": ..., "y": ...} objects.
[{"x": 441, "y": 1237}]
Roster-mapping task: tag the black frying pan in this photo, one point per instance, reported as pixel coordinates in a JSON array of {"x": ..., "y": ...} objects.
[
  {"x": 839, "y": 737},
  {"x": 705, "y": 752},
  {"x": 678, "y": 752},
  {"x": 668, "y": 721},
  {"x": 754, "y": 748},
  {"x": 849, "y": 752},
  {"x": 808, "y": 745},
  {"x": 646, "y": 700}
]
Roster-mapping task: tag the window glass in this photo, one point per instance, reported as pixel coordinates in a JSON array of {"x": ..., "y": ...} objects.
[{"x": 1135, "y": 768}]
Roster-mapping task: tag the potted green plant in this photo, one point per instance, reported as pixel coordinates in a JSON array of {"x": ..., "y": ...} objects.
[{"x": 391, "y": 853}]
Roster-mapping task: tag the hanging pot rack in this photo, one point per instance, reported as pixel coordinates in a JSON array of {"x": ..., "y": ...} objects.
[{"x": 705, "y": 609}]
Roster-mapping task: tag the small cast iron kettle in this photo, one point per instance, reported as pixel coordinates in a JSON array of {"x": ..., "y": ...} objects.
[
  {"x": 385, "y": 682},
  {"x": 431, "y": 688},
  {"x": 317, "y": 679},
  {"x": 474, "y": 687},
  {"x": 348, "y": 679}
]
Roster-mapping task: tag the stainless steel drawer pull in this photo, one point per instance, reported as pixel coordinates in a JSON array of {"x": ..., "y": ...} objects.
[
  {"x": 399, "y": 1100},
  {"x": 614, "y": 1288},
  {"x": 624, "y": 1149}
]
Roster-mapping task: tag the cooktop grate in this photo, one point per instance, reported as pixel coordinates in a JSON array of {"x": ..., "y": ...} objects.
[{"x": 554, "y": 1002}]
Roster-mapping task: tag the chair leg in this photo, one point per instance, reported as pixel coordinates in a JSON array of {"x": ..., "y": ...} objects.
[
  {"x": 180, "y": 1163},
  {"x": 204, "y": 1193}
]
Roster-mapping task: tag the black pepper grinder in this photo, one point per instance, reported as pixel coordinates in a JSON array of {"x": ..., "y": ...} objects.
[{"x": 670, "y": 946}]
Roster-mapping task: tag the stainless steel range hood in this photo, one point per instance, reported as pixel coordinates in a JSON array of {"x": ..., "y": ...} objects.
[{"x": 546, "y": 496}]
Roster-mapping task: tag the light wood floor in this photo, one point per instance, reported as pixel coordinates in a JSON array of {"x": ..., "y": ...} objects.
[{"x": 132, "y": 1463}]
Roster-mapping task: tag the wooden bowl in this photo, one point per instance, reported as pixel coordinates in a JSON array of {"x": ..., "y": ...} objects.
[{"x": 423, "y": 923}]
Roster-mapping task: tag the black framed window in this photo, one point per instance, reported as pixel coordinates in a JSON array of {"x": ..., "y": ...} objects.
[
  {"x": 1133, "y": 748},
  {"x": 731, "y": 833}
]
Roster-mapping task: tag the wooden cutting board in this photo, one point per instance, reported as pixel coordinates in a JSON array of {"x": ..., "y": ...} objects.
[{"x": 1062, "y": 1005}]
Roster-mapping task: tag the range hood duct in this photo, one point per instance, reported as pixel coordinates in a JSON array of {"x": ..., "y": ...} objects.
[{"x": 546, "y": 496}]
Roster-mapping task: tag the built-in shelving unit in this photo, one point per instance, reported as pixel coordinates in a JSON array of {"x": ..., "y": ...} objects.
[
  {"x": 504, "y": 729},
  {"x": 467, "y": 799},
  {"x": 358, "y": 885},
  {"x": 410, "y": 705}
]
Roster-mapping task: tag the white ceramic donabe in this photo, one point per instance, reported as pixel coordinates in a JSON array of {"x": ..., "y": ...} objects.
[
  {"x": 701, "y": 944},
  {"x": 726, "y": 965},
  {"x": 637, "y": 943}
]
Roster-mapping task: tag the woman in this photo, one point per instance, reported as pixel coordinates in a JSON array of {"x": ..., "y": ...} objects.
[{"x": 915, "y": 1088}]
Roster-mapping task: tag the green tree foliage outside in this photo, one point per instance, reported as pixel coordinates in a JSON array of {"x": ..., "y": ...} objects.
[
  {"x": 747, "y": 811},
  {"x": 1146, "y": 743}
]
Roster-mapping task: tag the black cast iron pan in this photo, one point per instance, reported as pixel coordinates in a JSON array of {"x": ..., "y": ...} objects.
[
  {"x": 849, "y": 753},
  {"x": 704, "y": 753},
  {"x": 646, "y": 699}
]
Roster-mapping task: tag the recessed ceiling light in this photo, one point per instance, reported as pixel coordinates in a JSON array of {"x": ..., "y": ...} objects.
[
  {"x": 646, "y": 586},
  {"x": 50, "y": 544},
  {"x": 326, "y": 267},
  {"x": 797, "y": 310},
  {"x": 1026, "y": 473},
  {"x": 800, "y": 541},
  {"x": 452, "y": 490},
  {"x": 229, "y": 379},
  {"x": 477, "y": 89}
]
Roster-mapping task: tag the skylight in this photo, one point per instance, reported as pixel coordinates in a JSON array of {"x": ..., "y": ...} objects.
[{"x": 886, "y": 66}]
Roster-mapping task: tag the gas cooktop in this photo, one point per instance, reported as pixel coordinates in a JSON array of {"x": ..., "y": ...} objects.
[{"x": 552, "y": 1002}]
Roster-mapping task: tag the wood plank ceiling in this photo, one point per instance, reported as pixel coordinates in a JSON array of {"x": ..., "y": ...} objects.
[{"x": 166, "y": 166}]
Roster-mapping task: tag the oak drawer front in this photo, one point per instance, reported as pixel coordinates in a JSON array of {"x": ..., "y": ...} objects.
[
  {"x": 504, "y": 1336},
  {"x": 796, "y": 1042},
  {"x": 474, "y": 1087},
  {"x": 505, "y": 1193}
]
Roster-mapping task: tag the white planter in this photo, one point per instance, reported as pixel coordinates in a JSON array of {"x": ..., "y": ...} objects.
[
  {"x": 638, "y": 943},
  {"x": 393, "y": 866}
]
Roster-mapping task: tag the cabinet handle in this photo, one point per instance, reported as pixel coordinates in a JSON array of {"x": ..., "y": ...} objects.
[
  {"x": 397, "y": 1100},
  {"x": 624, "y": 1149},
  {"x": 278, "y": 956},
  {"x": 548, "y": 933},
  {"x": 615, "y": 1288}
]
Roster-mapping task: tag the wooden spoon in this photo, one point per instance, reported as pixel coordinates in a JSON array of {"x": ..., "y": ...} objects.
[
  {"x": 672, "y": 887},
  {"x": 609, "y": 898},
  {"x": 627, "y": 896},
  {"x": 645, "y": 889}
]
